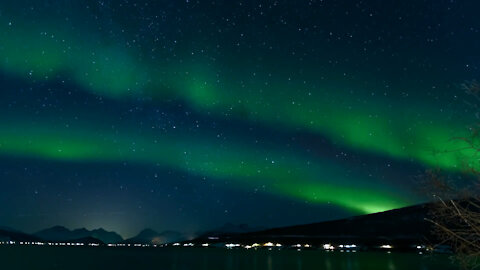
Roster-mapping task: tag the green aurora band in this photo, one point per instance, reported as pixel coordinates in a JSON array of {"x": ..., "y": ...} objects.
[
  {"x": 297, "y": 177},
  {"x": 47, "y": 49},
  {"x": 113, "y": 72}
]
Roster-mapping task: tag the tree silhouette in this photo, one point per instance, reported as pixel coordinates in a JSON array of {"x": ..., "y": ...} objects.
[{"x": 456, "y": 213}]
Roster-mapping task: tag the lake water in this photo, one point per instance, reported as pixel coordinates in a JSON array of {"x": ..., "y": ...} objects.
[{"x": 31, "y": 257}]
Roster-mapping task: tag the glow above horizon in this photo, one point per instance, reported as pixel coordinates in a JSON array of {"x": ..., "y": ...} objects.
[{"x": 311, "y": 83}]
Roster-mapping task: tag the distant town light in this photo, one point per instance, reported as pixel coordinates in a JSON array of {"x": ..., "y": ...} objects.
[
  {"x": 328, "y": 247},
  {"x": 386, "y": 246}
]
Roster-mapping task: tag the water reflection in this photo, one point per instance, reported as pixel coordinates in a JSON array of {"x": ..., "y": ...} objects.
[{"x": 215, "y": 259}]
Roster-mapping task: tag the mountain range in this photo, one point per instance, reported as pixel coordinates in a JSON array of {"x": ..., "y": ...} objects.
[
  {"x": 402, "y": 227},
  {"x": 82, "y": 235},
  {"x": 59, "y": 233}
]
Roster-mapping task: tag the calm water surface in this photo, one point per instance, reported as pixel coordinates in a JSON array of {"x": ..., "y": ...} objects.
[{"x": 25, "y": 257}]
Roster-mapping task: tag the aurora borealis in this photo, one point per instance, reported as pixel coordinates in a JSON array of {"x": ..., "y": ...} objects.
[{"x": 188, "y": 114}]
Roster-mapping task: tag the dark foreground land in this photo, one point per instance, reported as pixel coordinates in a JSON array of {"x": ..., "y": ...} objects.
[{"x": 31, "y": 257}]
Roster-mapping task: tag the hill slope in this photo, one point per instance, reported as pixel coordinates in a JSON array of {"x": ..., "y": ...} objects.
[
  {"x": 13, "y": 235},
  {"x": 405, "y": 226}
]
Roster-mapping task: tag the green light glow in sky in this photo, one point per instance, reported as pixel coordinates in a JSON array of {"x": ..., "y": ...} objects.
[
  {"x": 295, "y": 177},
  {"x": 383, "y": 125}
]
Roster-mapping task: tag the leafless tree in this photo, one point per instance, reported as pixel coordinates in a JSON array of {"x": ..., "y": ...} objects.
[{"x": 455, "y": 215}]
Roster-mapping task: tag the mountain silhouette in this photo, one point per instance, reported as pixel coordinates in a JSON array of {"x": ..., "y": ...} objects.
[
  {"x": 7, "y": 234},
  {"x": 60, "y": 233},
  {"x": 404, "y": 227}
]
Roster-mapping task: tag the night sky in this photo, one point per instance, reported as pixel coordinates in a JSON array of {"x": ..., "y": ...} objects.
[{"x": 186, "y": 115}]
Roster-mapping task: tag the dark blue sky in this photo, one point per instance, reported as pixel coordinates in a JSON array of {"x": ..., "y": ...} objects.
[{"x": 186, "y": 115}]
